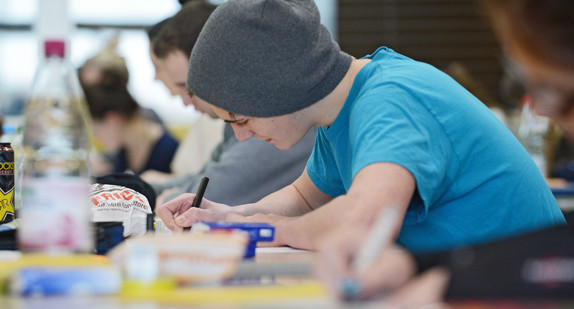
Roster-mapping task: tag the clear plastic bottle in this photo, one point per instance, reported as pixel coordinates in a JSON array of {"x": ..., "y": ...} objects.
[
  {"x": 54, "y": 211},
  {"x": 532, "y": 133}
]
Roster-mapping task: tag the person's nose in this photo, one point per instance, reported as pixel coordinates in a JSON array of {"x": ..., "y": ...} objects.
[
  {"x": 187, "y": 100},
  {"x": 241, "y": 133}
]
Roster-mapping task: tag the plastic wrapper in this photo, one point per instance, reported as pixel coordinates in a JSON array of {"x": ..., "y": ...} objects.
[{"x": 113, "y": 203}]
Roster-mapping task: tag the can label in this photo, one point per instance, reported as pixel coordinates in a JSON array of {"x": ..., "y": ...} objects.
[{"x": 7, "y": 212}]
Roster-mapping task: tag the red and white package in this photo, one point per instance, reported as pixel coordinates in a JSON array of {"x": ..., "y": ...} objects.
[{"x": 113, "y": 203}]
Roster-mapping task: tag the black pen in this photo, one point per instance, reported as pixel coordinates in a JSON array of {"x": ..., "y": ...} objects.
[
  {"x": 200, "y": 192},
  {"x": 198, "y": 196}
]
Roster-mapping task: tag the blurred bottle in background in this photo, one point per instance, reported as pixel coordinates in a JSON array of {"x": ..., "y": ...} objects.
[
  {"x": 54, "y": 211},
  {"x": 532, "y": 132}
]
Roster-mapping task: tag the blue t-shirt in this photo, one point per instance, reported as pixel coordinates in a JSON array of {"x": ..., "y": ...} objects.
[
  {"x": 159, "y": 158},
  {"x": 474, "y": 180}
]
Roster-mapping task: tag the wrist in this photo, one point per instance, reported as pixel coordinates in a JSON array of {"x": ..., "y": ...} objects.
[
  {"x": 286, "y": 233},
  {"x": 291, "y": 231},
  {"x": 245, "y": 210}
]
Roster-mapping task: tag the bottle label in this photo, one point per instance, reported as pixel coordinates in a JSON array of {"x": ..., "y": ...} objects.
[{"x": 55, "y": 215}]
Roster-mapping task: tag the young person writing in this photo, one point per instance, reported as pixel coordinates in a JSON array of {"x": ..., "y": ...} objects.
[{"x": 392, "y": 132}]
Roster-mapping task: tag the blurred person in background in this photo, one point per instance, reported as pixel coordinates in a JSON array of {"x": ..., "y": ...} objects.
[
  {"x": 239, "y": 172},
  {"x": 537, "y": 38},
  {"x": 132, "y": 138},
  {"x": 201, "y": 136}
]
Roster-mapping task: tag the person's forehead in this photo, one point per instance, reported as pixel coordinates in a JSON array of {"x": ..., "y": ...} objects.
[{"x": 223, "y": 114}]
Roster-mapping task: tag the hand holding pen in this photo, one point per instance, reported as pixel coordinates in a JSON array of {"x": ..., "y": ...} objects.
[
  {"x": 184, "y": 210},
  {"x": 357, "y": 260},
  {"x": 379, "y": 238},
  {"x": 199, "y": 195}
]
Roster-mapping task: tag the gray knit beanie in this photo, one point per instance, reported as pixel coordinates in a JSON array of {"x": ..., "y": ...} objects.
[{"x": 265, "y": 58}]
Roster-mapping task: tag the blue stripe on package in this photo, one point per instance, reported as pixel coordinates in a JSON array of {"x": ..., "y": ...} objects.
[
  {"x": 257, "y": 232},
  {"x": 36, "y": 281}
]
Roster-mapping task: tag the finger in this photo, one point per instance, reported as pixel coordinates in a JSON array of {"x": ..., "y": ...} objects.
[
  {"x": 424, "y": 290},
  {"x": 168, "y": 211},
  {"x": 177, "y": 205},
  {"x": 166, "y": 217},
  {"x": 333, "y": 260},
  {"x": 390, "y": 271},
  {"x": 193, "y": 215},
  {"x": 188, "y": 217},
  {"x": 177, "y": 229},
  {"x": 323, "y": 271}
]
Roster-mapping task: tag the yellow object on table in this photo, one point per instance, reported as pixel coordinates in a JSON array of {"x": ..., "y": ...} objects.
[{"x": 237, "y": 296}]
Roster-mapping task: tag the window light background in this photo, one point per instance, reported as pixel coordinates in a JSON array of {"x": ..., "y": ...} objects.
[{"x": 19, "y": 47}]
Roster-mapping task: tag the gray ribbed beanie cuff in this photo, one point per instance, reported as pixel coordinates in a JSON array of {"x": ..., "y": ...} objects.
[{"x": 265, "y": 58}]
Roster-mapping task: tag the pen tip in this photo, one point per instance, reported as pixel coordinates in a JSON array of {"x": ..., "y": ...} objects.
[{"x": 350, "y": 289}]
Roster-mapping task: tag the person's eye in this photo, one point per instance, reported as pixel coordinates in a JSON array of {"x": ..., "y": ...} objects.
[{"x": 242, "y": 122}]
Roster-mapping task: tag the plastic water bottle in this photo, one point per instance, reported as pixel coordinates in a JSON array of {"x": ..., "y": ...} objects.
[
  {"x": 54, "y": 211},
  {"x": 532, "y": 133}
]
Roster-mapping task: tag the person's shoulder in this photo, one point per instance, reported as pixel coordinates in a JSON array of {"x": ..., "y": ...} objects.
[
  {"x": 168, "y": 139},
  {"x": 166, "y": 145}
]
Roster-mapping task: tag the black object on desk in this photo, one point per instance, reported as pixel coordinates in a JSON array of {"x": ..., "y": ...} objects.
[{"x": 198, "y": 196}]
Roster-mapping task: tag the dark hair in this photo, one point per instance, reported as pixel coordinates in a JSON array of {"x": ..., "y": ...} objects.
[
  {"x": 102, "y": 98},
  {"x": 181, "y": 30},
  {"x": 543, "y": 29},
  {"x": 155, "y": 29}
]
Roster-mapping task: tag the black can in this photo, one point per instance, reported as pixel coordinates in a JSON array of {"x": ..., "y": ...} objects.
[{"x": 7, "y": 209}]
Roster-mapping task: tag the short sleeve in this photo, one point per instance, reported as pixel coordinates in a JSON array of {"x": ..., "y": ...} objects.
[{"x": 390, "y": 125}]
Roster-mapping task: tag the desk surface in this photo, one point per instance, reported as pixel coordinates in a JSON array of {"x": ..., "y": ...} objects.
[
  {"x": 274, "y": 278},
  {"x": 284, "y": 281}
]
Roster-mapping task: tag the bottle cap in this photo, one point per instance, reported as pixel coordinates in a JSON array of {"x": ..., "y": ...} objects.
[{"x": 54, "y": 48}]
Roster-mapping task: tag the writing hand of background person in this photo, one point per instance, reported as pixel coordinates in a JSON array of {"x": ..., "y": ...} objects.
[
  {"x": 336, "y": 252},
  {"x": 178, "y": 213}
]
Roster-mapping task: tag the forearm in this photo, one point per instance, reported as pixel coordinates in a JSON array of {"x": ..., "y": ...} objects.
[
  {"x": 367, "y": 196},
  {"x": 286, "y": 202},
  {"x": 305, "y": 231}
]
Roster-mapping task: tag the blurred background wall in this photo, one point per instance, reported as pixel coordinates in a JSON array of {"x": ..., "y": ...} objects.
[
  {"x": 88, "y": 25},
  {"x": 439, "y": 32}
]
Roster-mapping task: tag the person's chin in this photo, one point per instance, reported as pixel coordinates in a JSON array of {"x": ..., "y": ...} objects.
[{"x": 280, "y": 145}]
